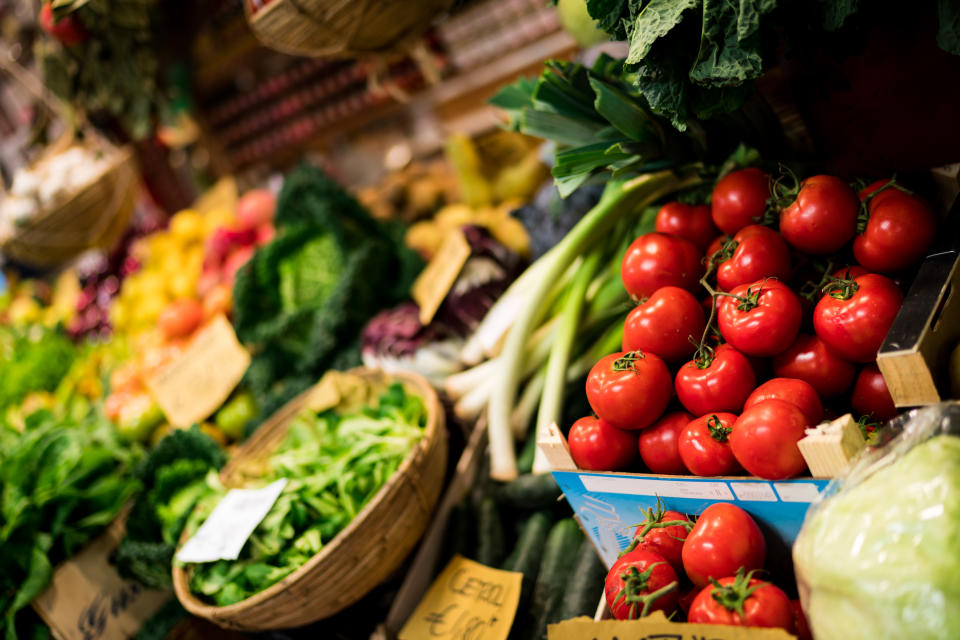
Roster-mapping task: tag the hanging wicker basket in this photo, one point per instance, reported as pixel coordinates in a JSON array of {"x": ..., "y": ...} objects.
[
  {"x": 358, "y": 558},
  {"x": 342, "y": 28},
  {"x": 93, "y": 217}
]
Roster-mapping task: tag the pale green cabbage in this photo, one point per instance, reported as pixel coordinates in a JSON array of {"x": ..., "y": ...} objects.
[{"x": 881, "y": 558}]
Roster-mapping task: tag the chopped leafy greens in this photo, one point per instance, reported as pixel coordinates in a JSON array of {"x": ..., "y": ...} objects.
[{"x": 335, "y": 464}]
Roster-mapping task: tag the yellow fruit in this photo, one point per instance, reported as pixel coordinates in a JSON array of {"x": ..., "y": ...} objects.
[
  {"x": 424, "y": 238},
  {"x": 182, "y": 284},
  {"x": 512, "y": 234},
  {"x": 118, "y": 315},
  {"x": 454, "y": 216},
  {"x": 188, "y": 225}
]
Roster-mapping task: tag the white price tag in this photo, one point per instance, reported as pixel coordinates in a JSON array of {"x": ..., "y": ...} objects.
[{"x": 225, "y": 532}]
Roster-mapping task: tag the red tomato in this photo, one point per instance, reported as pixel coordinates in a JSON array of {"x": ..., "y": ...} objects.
[
  {"x": 797, "y": 392},
  {"x": 629, "y": 390},
  {"x": 740, "y": 199},
  {"x": 596, "y": 446},
  {"x": 762, "y": 320},
  {"x": 663, "y": 532},
  {"x": 871, "y": 396},
  {"x": 180, "y": 319},
  {"x": 716, "y": 245},
  {"x": 658, "y": 444},
  {"x": 664, "y": 324},
  {"x": 758, "y": 253},
  {"x": 809, "y": 359},
  {"x": 639, "y": 583},
  {"x": 823, "y": 217},
  {"x": 764, "y": 439},
  {"x": 742, "y": 601},
  {"x": 801, "y": 628},
  {"x": 849, "y": 272},
  {"x": 686, "y": 597},
  {"x": 853, "y": 316},
  {"x": 690, "y": 222},
  {"x": 705, "y": 448},
  {"x": 721, "y": 383},
  {"x": 657, "y": 260},
  {"x": 900, "y": 229},
  {"x": 724, "y": 539},
  {"x": 68, "y": 29}
]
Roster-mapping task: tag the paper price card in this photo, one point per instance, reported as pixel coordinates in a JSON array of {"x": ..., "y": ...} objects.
[
  {"x": 436, "y": 280},
  {"x": 468, "y": 601},
  {"x": 657, "y": 627},
  {"x": 195, "y": 384}
]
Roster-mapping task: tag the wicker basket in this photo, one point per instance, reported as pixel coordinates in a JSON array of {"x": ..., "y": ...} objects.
[
  {"x": 348, "y": 28},
  {"x": 361, "y": 556},
  {"x": 93, "y": 217}
]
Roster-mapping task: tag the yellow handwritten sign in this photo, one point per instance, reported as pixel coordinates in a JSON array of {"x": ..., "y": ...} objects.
[
  {"x": 656, "y": 627},
  {"x": 436, "y": 280},
  {"x": 468, "y": 601},
  {"x": 197, "y": 382}
]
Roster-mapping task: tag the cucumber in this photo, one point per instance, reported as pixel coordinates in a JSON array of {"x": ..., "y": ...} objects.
[
  {"x": 525, "y": 459},
  {"x": 458, "y": 538},
  {"x": 556, "y": 568},
  {"x": 532, "y": 491},
  {"x": 585, "y": 586},
  {"x": 525, "y": 557},
  {"x": 490, "y": 543}
]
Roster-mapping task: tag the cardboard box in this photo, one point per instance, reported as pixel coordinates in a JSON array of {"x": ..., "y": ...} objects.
[
  {"x": 610, "y": 505},
  {"x": 655, "y": 626}
]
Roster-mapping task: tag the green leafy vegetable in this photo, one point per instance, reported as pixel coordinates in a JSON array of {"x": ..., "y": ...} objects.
[
  {"x": 335, "y": 463},
  {"x": 32, "y": 359},
  {"x": 61, "y": 483}
]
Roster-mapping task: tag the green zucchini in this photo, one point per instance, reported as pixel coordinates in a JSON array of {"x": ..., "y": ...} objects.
[
  {"x": 458, "y": 538},
  {"x": 525, "y": 459},
  {"x": 585, "y": 586},
  {"x": 526, "y": 555},
  {"x": 490, "y": 542},
  {"x": 556, "y": 569},
  {"x": 532, "y": 491}
]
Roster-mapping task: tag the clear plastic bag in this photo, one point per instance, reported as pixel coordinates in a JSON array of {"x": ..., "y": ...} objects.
[{"x": 879, "y": 552}]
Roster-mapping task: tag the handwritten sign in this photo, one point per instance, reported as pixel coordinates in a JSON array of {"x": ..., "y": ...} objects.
[
  {"x": 223, "y": 534},
  {"x": 198, "y": 382},
  {"x": 88, "y": 600},
  {"x": 656, "y": 627},
  {"x": 468, "y": 601},
  {"x": 435, "y": 281}
]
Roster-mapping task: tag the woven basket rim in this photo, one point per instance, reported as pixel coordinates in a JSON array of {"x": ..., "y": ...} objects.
[{"x": 431, "y": 432}]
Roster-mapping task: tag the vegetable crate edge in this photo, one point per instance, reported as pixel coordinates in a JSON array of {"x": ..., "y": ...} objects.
[{"x": 610, "y": 505}]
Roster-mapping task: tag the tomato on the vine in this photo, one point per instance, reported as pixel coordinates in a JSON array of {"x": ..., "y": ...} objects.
[
  {"x": 755, "y": 253},
  {"x": 822, "y": 217},
  {"x": 740, "y": 199},
  {"x": 801, "y": 628},
  {"x": 853, "y": 316},
  {"x": 899, "y": 229},
  {"x": 742, "y": 601},
  {"x": 724, "y": 539},
  {"x": 811, "y": 360},
  {"x": 764, "y": 439},
  {"x": 761, "y": 318},
  {"x": 720, "y": 380},
  {"x": 597, "y": 446},
  {"x": 870, "y": 395},
  {"x": 629, "y": 390},
  {"x": 658, "y": 444},
  {"x": 705, "y": 445},
  {"x": 663, "y": 531},
  {"x": 657, "y": 260},
  {"x": 795, "y": 391},
  {"x": 639, "y": 583},
  {"x": 691, "y": 222},
  {"x": 669, "y": 324},
  {"x": 849, "y": 272}
]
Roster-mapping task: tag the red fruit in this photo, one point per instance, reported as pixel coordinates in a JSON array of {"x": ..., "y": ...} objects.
[
  {"x": 690, "y": 222},
  {"x": 639, "y": 583},
  {"x": 663, "y": 532},
  {"x": 629, "y": 390},
  {"x": 801, "y": 628},
  {"x": 724, "y": 539},
  {"x": 823, "y": 217},
  {"x": 705, "y": 448},
  {"x": 180, "y": 319},
  {"x": 900, "y": 229},
  {"x": 871, "y": 396},
  {"x": 720, "y": 382},
  {"x": 596, "y": 446},
  {"x": 755, "y": 253},
  {"x": 760, "y": 319},
  {"x": 265, "y": 234},
  {"x": 256, "y": 208},
  {"x": 236, "y": 260},
  {"x": 659, "y": 441},
  {"x": 764, "y": 439},
  {"x": 68, "y": 29},
  {"x": 811, "y": 360},
  {"x": 853, "y": 316},
  {"x": 740, "y": 199},
  {"x": 668, "y": 324},
  {"x": 742, "y": 601},
  {"x": 797, "y": 392},
  {"x": 657, "y": 260}
]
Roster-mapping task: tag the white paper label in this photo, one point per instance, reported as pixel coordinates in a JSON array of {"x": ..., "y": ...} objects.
[
  {"x": 696, "y": 489},
  {"x": 225, "y": 532},
  {"x": 754, "y": 491},
  {"x": 796, "y": 491}
]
